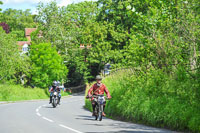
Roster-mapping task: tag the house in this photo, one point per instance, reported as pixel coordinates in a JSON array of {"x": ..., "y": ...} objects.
[
  {"x": 82, "y": 46},
  {"x": 23, "y": 45},
  {"x": 28, "y": 32}
]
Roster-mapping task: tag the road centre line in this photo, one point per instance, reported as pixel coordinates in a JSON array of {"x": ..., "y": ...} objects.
[
  {"x": 47, "y": 119},
  {"x": 38, "y": 114},
  {"x": 70, "y": 128}
]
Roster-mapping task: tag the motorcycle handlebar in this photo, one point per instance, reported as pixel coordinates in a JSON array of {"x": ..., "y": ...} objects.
[{"x": 96, "y": 96}]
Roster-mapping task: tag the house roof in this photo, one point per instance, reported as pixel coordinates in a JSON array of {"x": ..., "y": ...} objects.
[
  {"x": 29, "y": 30},
  {"x": 21, "y": 43}
]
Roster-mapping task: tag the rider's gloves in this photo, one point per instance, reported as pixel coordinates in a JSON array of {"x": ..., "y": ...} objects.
[{"x": 109, "y": 97}]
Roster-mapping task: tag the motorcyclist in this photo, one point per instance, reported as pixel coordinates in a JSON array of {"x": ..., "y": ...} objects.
[
  {"x": 55, "y": 86},
  {"x": 98, "y": 88},
  {"x": 60, "y": 88}
]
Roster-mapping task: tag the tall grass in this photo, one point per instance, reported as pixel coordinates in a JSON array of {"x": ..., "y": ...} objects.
[
  {"x": 18, "y": 92},
  {"x": 155, "y": 98}
]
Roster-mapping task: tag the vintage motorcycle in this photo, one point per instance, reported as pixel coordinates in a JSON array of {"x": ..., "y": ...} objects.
[
  {"x": 55, "y": 99},
  {"x": 99, "y": 99}
]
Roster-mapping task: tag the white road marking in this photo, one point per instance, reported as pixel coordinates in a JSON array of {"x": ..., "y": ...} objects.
[
  {"x": 47, "y": 119},
  {"x": 69, "y": 128},
  {"x": 38, "y": 114}
]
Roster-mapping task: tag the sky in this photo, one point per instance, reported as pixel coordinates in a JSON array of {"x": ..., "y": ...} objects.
[{"x": 32, "y": 4}]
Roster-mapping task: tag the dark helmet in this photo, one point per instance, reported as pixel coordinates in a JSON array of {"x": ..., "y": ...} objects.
[
  {"x": 54, "y": 83},
  {"x": 98, "y": 77}
]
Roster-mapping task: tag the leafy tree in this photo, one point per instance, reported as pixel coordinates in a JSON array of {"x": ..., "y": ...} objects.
[
  {"x": 65, "y": 28},
  {"x": 18, "y": 19},
  {"x": 47, "y": 65},
  {"x": 12, "y": 65}
]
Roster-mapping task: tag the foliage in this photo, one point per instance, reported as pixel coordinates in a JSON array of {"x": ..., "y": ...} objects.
[
  {"x": 159, "y": 39},
  {"x": 5, "y": 27},
  {"x": 0, "y": 8},
  {"x": 12, "y": 64},
  {"x": 18, "y": 19},
  {"x": 47, "y": 65},
  {"x": 161, "y": 100},
  {"x": 19, "y": 35}
]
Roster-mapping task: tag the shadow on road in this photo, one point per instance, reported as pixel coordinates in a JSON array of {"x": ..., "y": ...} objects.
[
  {"x": 48, "y": 107},
  {"x": 123, "y": 131},
  {"x": 121, "y": 126},
  {"x": 84, "y": 117},
  {"x": 126, "y": 127}
]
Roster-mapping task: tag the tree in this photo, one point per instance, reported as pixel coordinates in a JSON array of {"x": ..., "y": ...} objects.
[
  {"x": 65, "y": 28},
  {"x": 47, "y": 65},
  {"x": 18, "y": 19},
  {"x": 12, "y": 64}
]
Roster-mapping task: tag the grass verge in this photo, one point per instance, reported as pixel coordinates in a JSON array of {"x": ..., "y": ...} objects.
[{"x": 19, "y": 93}]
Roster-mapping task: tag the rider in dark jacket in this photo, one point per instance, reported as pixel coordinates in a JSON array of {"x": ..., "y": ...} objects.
[{"x": 56, "y": 85}]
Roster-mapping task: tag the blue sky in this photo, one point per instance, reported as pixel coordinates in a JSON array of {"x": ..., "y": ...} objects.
[{"x": 32, "y": 4}]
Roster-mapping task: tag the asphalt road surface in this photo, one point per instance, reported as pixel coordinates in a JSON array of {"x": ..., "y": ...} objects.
[{"x": 69, "y": 117}]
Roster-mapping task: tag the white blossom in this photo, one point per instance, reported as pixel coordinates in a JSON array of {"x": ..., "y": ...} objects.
[
  {"x": 133, "y": 10},
  {"x": 128, "y": 7}
]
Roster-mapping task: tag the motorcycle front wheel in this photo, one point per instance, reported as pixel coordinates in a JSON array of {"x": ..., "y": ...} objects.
[
  {"x": 96, "y": 113},
  {"x": 54, "y": 103},
  {"x": 100, "y": 112}
]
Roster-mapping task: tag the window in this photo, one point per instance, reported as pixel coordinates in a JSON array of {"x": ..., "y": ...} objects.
[{"x": 25, "y": 48}]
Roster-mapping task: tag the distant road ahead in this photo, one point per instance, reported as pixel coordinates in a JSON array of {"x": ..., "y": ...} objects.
[{"x": 69, "y": 117}]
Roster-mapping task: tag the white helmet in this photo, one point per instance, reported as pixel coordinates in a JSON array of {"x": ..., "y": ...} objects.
[
  {"x": 58, "y": 83},
  {"x": 54, "y": 83}
]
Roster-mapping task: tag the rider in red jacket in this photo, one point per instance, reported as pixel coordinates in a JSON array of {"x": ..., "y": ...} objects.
[{"x": 98, "y": 88}]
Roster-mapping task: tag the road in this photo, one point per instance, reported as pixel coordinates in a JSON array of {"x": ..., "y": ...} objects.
[{"x": 69, "y": 117}]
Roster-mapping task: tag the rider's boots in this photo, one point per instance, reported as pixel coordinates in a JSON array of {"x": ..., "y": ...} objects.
[
  {"x": 93, "y": 113},
  {"x": 50, "y": 101},
  {"x": 103, "y": 110},
  {"x": 59, "y": 100},
  {"x": 93, "y": 108}
]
